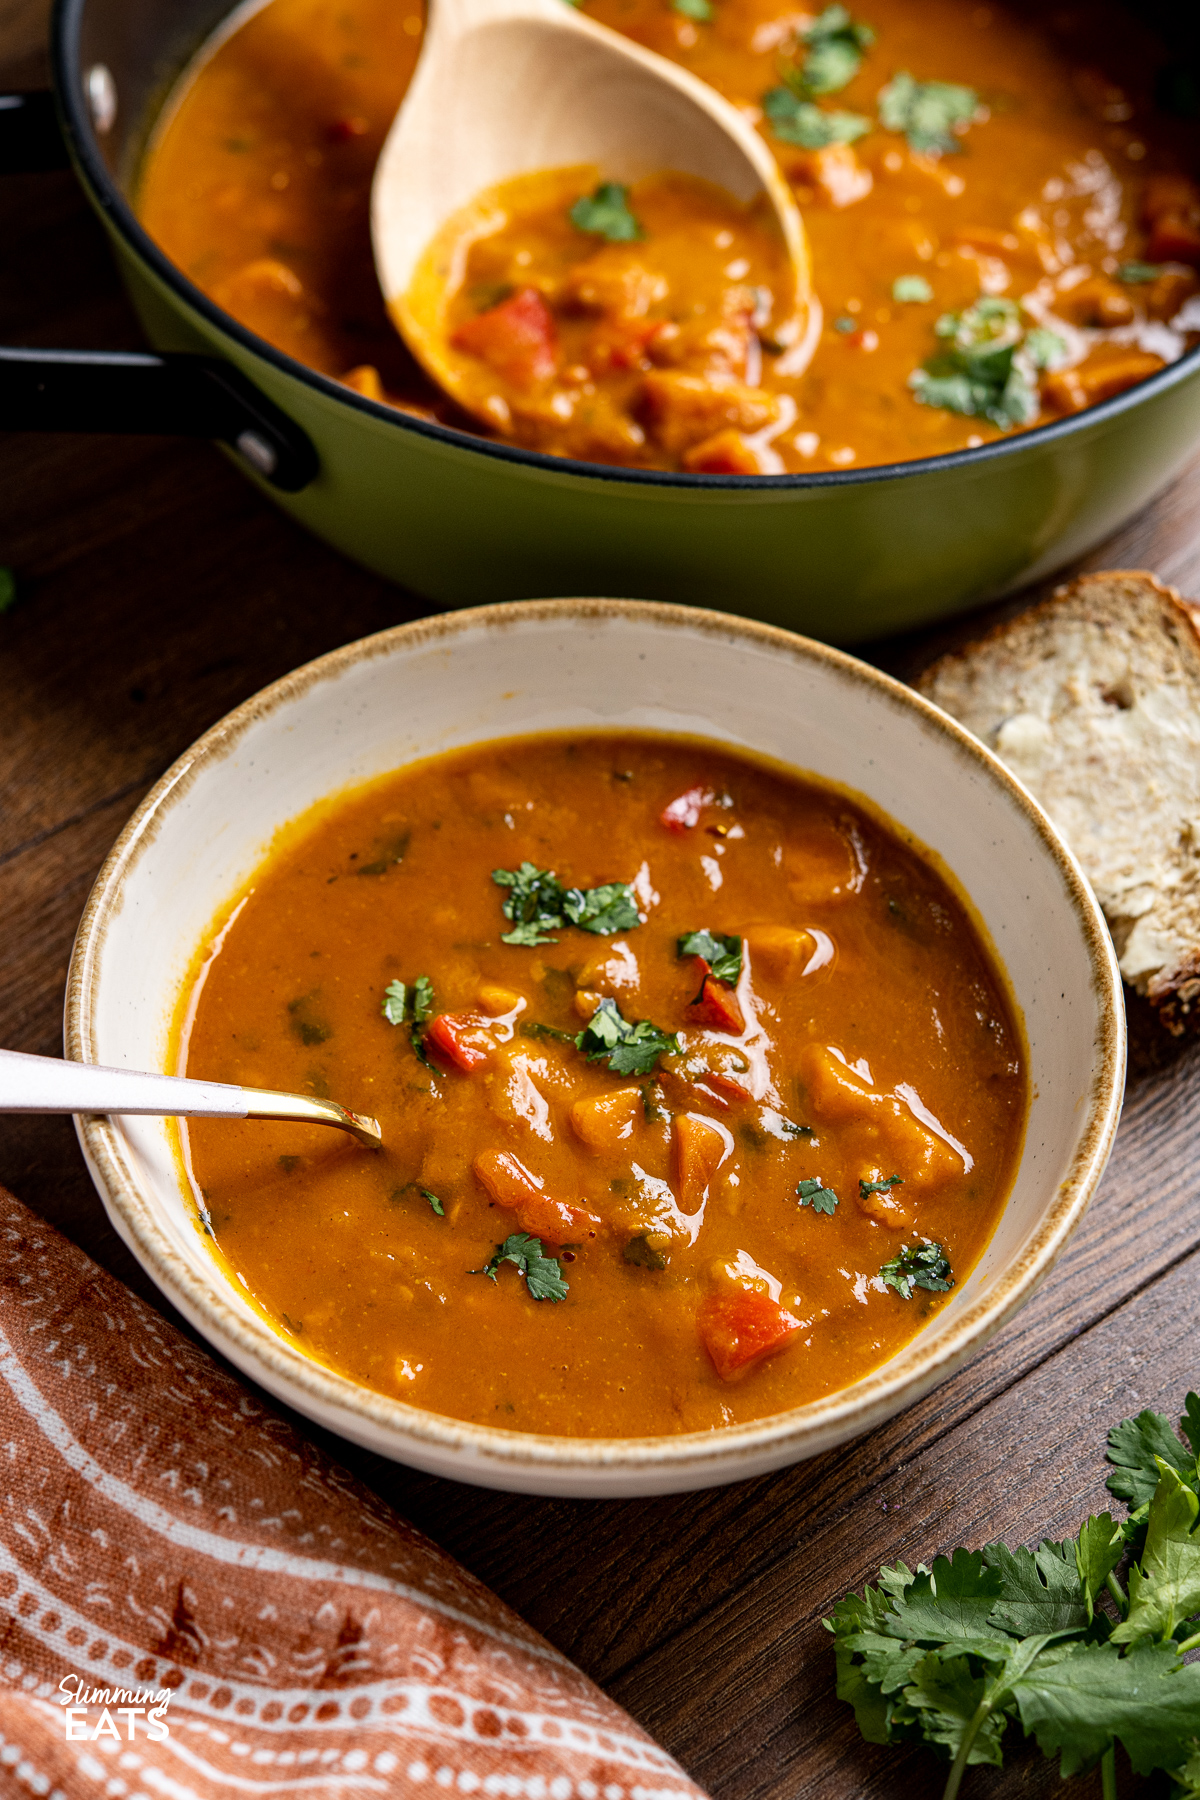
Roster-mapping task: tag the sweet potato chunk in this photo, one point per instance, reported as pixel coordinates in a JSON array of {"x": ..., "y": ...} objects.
[
  {"x": 729, "y": 453},
  {"x": 680, "y": 410},
  {"x": 739, "y": 1329},
  {"x": 517, "y": 339},
  {"x": 778, "y": 951},
  {"x": 1096, "y": 301},
  {"x": 604, "y": 1122},
  {"x": 699, "y": 1150},
  {"x": 885, "y": 1205},
  {"x": 822, "y": 869},
  {"x": 1171, "y": 210},
  {"x": 615, "y": 284},
  {"x": 1070, "y": 390},
  {"x": 520, "y": 1191}
]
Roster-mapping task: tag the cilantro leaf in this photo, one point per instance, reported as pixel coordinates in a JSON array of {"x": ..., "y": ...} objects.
[
  {"x": 867, "y": 1188},
  {"x": 1098, "y": 1549},
  {"x": 988, "y": 368},
  {"x": 703, "y": 11},
  {"x": 1137, "y": 1446},
  {"x": 911, "y": 289},
  {"x": 820, "y": 1198},
  {"x": 953, "y": 1599},
  {"x": 947, "y": 1698},
  {"x": 543, "y": 1274},
  {"x": 433, "y": 1200},
  {"x": 395, "y": 1000},
  {"x": 606, "y": 214},
  {"x": 416, "y": 1004},
  {"x": 926, "y": 112},
  {"x": 628, "y": 1049},
  {"x": 1078, "y": 1704},
  {"x": 422, "y": 1000},
  {"x": 641, "y": 1251},
  {"x": 537, "y": 903},
  {"x": 533, "y": 1028},
  {"x": 796, "y": 1130},
  {"x": 1041, "y": 1590},
  {"x": 797, "y": 121},
  {"x": 722, "y": 954},
  {"x": 833, "y": 51},
  {"x": 1164, "y": 1588},
  {"x": 918, "y": 1266},
  {"x": 1134, "y": 272}
]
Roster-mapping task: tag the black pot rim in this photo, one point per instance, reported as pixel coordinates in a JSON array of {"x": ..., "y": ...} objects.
[{"x": 81, "y": 140}]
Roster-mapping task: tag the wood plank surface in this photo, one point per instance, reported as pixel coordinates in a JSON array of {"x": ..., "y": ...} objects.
[{"x": 157, "y": 590}]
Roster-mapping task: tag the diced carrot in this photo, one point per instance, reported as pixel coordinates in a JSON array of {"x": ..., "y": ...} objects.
[
  {"x": 716, "y": 1005},
  {"x": 1070, "y": 390},
  {"x": 459, "y": 1038},
  {"x": 517, "y": 338},
  {"x": 739, "y": 1329},
  {"x": 684, "y": 811},
  {"x": 699, "y": 1152},
  {"x": 520, "y": 1191},
  {"x": 607, "y": 1120},
  {"x": 726, "y": 453}
]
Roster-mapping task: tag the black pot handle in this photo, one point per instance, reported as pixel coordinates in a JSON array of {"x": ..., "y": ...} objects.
[{"x": 128, "y": 391}]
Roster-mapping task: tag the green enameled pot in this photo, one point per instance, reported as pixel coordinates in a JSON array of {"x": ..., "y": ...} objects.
[{"x": 844, "y": 556}]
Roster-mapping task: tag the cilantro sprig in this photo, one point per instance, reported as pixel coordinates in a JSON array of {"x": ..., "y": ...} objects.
[
  {"x": 412, "y": 1003},
  {"x": 538, "y": 903},
  {"x": 833, "y": 51},
  {"x": 867, "y": 1188},
  {"x": 950, "y": 1655},
  {"x": 815, "y": 1194},
  {"x": 722, "y": 954},
  {"x": 800, "y": 122},
  {"x": 543, "y": 1274},
  {"x": 606, "y": 214},
  {"x": 629, "y": 1049},
  {"x": 988, "y": 365},
  {"x": 927, "y": 112},
  {"x": 917, "y": 1266}
]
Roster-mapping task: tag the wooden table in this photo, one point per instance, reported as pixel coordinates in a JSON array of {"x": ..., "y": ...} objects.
[{"x": 157, "y": 590}]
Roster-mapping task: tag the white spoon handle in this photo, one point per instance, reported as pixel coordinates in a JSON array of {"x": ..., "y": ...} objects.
[{"x": 43, "y": 1084}]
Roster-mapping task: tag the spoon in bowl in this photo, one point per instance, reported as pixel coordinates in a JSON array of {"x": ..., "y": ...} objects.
[
  {"x": 506, "y": 88},
  {"x": 44, "y": 1084}
]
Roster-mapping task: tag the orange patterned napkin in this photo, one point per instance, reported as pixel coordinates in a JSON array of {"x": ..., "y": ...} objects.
[{"x": 197, "y": 1602}]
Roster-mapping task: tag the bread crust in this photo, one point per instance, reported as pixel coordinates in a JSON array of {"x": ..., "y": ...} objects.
[{"x": 1093, "y": 780}]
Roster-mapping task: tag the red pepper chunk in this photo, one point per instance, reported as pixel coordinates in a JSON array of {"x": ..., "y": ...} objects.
[
  {"x": 716, "y": 1005},
  {"x": 458, "y": 1038},
  {"x": 684, "y": 812},
  {"x": 739, "y": 1329},
  {"x": 518, "y": 1189},
  {"x": 517, "y": 338}
]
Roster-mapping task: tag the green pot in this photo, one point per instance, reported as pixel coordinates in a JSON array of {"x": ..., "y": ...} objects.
[{"x": 844, "y": 556}]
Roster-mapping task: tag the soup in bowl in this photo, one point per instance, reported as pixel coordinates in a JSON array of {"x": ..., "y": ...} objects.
[{"x": 745, "y": 1043}]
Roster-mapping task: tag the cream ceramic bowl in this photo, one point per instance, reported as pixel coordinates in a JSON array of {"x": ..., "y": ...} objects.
[{"x": 553, "y": 665}]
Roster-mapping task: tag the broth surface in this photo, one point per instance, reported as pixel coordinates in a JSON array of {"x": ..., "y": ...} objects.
[
  {"x": 1064, "y": 191},
  {"x": 720, "y": 1214}
]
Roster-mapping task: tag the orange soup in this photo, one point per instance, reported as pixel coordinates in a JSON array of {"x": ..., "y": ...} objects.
[
  {"x": 700, "y": 1092},
  {"x": 1004, "y": 231}
]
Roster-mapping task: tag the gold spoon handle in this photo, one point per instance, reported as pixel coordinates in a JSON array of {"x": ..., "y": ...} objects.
[{"x": 44, "y": 1084}]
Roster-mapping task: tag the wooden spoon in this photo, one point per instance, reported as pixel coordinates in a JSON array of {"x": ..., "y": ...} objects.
[
  {"x": 509, "y": 87},
  {"x": 43, "y": 1084}
]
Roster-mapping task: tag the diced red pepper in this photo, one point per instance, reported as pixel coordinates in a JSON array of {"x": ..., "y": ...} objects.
[
  {"x": 716, "y": 1005},
  {"x": 459, "y": 1038},
  {"x": 517, "y": 1188},
  {"x": 738, "y": 1329},
  {"x": 517, "y": 338},
  {"x": 684, "y": 811},
  {"x": 722, "y": 1088}
]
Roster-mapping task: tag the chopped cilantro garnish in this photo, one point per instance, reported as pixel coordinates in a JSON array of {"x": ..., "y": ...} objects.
[
  {"x": 816, "y": 1195},
  {"x": 533, "y": 1028},
  {"x": 918, "y": 1266},
  {"x": 414, "y": 1004},
  {"x": 433, "y": 1200},
  {"x": 833, "y": 52},
  {"x": 703, "y": 11},
  {"x": 538, "y": 903},
  {"x": 628, "y": 1049},
  {"x": 950, "y": 1656},
  {"x": 911, "y": 290},
  {"x": 641, "y": 1251},
  {"x": 797, "y": 121},
  {"x": 722, "y": 954},
  {"x": 8, "y": 589},
  {"x": 796, "y": 1130},
  {"x": 422, "y": 999},
  {"x": 926, "y": 112},
  {"x": 867, "y": 1188},
  {"x": 308, "y": 1021},
  {"x": 845, "y": 324},
  {"x": 543, "y": 1274},
  {"x": 1134, "y": 272},
  {"x": 989, "y": 366},
  {"x": 606, "y": 214},
  {"x": 395, "y": 1001}
]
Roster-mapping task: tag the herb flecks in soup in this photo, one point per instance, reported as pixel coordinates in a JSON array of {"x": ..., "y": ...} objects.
[
  {"x": 699, "y": 1091},
  {"x": 614, "y": 324},
  {"x": 944, "y": 155}
]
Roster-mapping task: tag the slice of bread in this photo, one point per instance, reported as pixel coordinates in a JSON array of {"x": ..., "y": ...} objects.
[{"x": 1093, "y": 701}]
